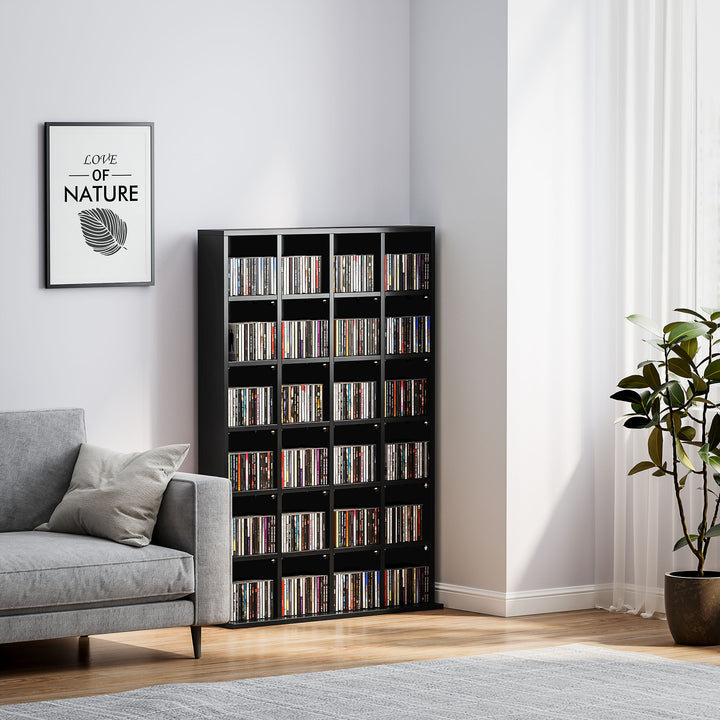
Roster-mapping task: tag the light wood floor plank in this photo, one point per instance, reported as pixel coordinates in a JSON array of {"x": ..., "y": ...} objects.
[{"x": 112, "y": 663}]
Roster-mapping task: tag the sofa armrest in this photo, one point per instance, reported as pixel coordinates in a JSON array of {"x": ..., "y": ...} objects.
[{"x": 195, "y": 517}]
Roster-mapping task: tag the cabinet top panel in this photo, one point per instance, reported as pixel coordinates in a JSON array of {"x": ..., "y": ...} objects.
[{"x": 322, "y": 230}]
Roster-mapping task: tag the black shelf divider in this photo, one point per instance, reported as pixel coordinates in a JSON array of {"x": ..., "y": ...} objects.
[
  {"x": 381, "y": 469},
  {"x": 330, "y": 523},
  {"x": 216, "y": 374},
  {"x": 277, "y": 609}
]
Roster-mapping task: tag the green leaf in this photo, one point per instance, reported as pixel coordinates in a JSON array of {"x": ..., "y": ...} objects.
[
  {"x": 683, "y": 480},
  {"x": 687, "y": 433},
  {"x": 637, "y": 422},
  {"x": 646, "y": 324},
  {"x": 680, "y": 366},
  {"x": 655, "y": 446},
  {"x": 652, "y": 376},
  {"x": 682, "y": 332},
  {"x": 626, "y": 396},
  {"x": 682, "y": 542},
  {"x": 690, "y": 312},
  {"x": 714, "y": 433},
  {"x": 682, "y": 455},
  {"x": 712, "y": 371},
  {"x": 715, "y": 315},
  {"x": 681, "y": 352},
  {"x": 699, "y": 385},
  {"x": 659, "y": 473},
  {"x": 670, "y": 420},
  {"x": 657, "y": 343},
  {"x": 644, "y": 465},
  {"x": 657, "y": 392},
  {"x": 716, "y": 478},
  {"x": 704, "y": 401},
  {"x": 645, "y": 403},
  {"x": 676, "y": 393},
  {"x": 690, "y": 349},
  {"x": 633, "y": 381},
  {"x": 712, "y": 460},
  {"x": 714, "y": 531}
]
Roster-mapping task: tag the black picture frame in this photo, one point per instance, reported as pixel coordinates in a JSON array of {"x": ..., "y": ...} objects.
[{"x": 99, "y": 204}]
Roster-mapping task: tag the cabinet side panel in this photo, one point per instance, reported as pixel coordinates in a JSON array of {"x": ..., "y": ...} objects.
[{"x": 212, "y": 353}]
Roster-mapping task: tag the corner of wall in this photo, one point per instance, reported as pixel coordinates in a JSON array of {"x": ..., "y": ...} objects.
[{"x": 458, "y": 176}]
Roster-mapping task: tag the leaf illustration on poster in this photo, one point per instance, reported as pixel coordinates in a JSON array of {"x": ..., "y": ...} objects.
[{"x": 104, "y": 231}]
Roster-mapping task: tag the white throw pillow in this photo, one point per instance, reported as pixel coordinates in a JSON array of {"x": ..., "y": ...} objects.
[{"x": 116, "y": 495}]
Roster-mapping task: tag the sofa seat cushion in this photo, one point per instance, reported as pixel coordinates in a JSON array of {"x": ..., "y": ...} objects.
[{"x": 59, "y": 571}]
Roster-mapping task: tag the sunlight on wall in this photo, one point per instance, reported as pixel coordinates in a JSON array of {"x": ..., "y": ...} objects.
[{"x": 550, "y": 164}]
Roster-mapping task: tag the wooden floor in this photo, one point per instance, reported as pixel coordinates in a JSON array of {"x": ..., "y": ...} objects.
[{"x": 113, "y": 663}]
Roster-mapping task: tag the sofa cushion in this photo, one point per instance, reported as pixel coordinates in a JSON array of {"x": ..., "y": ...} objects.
[
  {"x": 59, "y": 571},
  {"x": 38, "y": 450},
  {"x": 116, "y": 495}
]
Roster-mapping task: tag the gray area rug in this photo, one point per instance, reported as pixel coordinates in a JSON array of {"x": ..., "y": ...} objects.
[{"x": 572, "y": 681}]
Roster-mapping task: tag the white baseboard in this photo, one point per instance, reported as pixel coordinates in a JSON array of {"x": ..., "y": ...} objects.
[
  {"x": 513, "y": 604},
  {"x": 534, "y": 602},
  {"x": 459, "y": 597}
]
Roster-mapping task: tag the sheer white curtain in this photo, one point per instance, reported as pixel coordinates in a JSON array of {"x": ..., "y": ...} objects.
[
  {"x": 708, "y": 154},
  {"x": 654, "y": 212}
]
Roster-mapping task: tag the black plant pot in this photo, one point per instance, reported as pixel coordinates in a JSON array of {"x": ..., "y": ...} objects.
[{"x": 692, "y": 606}]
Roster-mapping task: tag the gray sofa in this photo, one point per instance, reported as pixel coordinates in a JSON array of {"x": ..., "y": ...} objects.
[{"x": 60, "y": 585}]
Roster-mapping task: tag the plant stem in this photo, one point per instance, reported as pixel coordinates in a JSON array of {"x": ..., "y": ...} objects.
[
  {"x": 702, "y": 542},
  {"x": 695, "y": 551},
  {"x": 706, "y": 542}
]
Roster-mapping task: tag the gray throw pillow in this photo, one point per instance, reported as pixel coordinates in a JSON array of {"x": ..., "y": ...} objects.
[{"x": 115, "y": 495}]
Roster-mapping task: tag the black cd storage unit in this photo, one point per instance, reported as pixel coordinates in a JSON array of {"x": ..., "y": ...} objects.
[{"x": 316, "y": 397}]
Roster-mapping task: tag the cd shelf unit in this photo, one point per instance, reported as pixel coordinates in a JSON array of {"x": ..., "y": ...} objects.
[{"x": 316, "y": 397}]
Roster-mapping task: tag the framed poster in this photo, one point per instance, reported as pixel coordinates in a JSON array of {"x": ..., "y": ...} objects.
[{"x": 99, "y": 220}]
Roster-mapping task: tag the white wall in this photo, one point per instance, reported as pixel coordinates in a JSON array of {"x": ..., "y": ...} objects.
[
  {"x": 458, "y": 124},
  {"x": 502, "y": 159},
  {"x": 274, "y": 112},
  {"x": 552, "y": 306},
  {"x": 267, "y": 113}
]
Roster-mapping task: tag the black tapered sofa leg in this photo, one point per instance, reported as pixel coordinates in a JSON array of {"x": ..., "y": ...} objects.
[{"x": 196, "y": 632}]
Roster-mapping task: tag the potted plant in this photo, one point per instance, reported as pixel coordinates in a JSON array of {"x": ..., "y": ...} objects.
[{"x": 671, "y": 398}]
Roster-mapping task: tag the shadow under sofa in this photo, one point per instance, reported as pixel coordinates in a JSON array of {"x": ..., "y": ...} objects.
[{"x": 60, "y": 584}]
